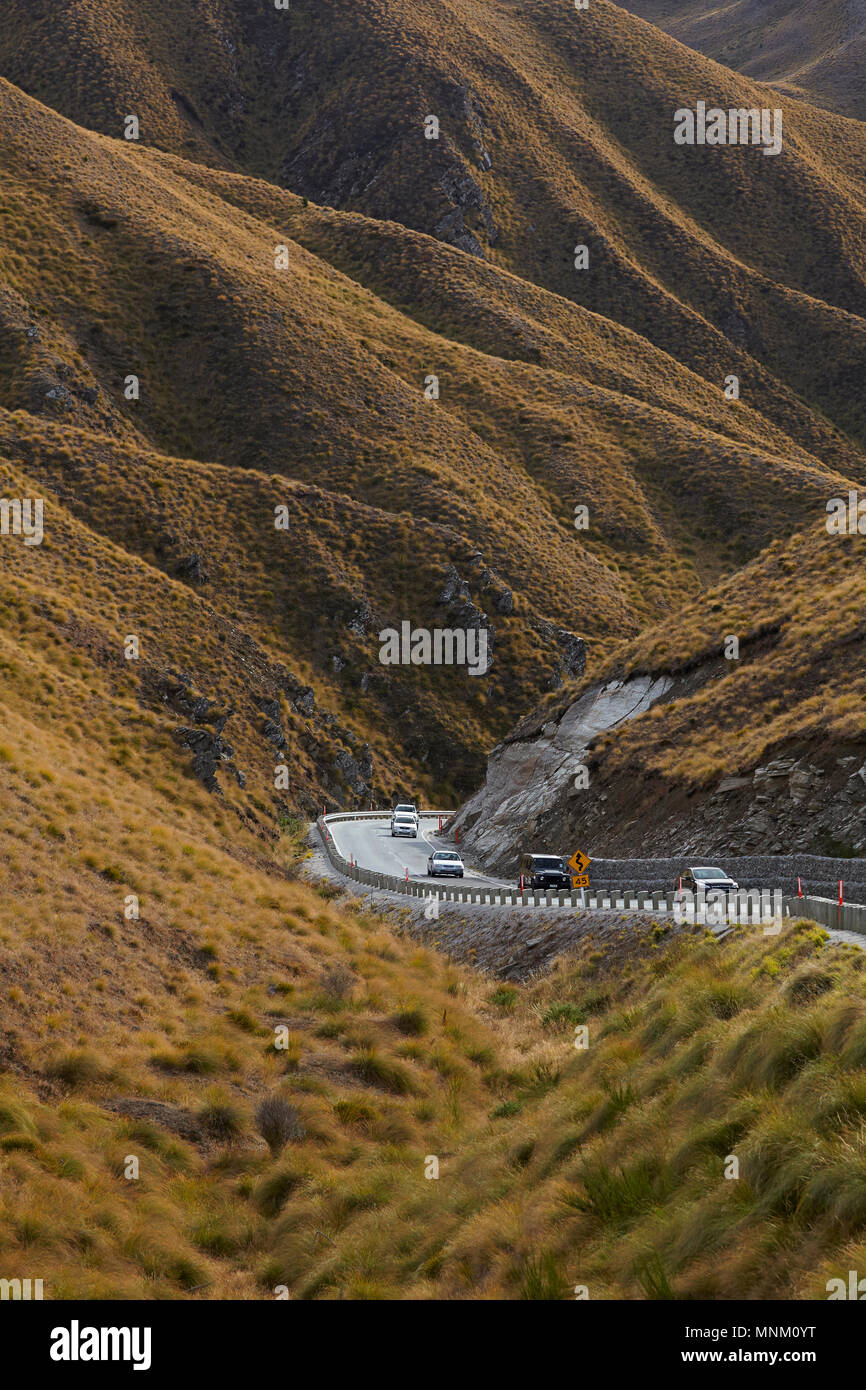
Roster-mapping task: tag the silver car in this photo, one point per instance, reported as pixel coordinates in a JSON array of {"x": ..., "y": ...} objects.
[{"x": 444, "y": 861}]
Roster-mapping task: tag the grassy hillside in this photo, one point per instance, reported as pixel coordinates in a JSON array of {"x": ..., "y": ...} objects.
[
  {"x": 556, "y": 128},
  {"x": 805, "y": 599},
  {"x": 304, "y": 388},
  {"x": 154, "y": 1040},
  {"x": 815, "y": 51},
  {"x": 215, "y": 1077}
]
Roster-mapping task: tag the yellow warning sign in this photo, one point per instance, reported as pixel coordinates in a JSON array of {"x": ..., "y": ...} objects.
[
  {"x": 580, "y": 881},
  {"x": 579, "y": 861}
]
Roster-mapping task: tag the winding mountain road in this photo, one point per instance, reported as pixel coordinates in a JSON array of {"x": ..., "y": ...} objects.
[{"x": 369, "y": 843}]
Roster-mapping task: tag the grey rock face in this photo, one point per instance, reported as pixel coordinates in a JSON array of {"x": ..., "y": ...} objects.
[
  {"x": 356, "y": 773},
  {"x": 462, "y": 190},
  {"x": 452, "y": 229},
  {"x": 365, "y": 763},
  {"x": 274, "y": 734},
  {"x": 175, "y": 691},
  {"x": 60, "y": 394},
  {"x": 453, "y": 588},
  {"x": 571, "y": 649},
  {"x": 208, "y": 751},
  {"x": 305, "y": 700},
  {"x": 363, "y": 619},
  {"x": 525, "y": 777},
  {"x": 272, "y": 728}
]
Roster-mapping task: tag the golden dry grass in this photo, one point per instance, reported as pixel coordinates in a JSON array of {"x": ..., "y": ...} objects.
[
  {"x": 815, "y": 52},
  {"x": 305, "y": 387}
]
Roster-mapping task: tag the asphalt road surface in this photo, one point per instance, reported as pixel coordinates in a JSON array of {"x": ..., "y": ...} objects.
[{"x": 372, "y": 846}]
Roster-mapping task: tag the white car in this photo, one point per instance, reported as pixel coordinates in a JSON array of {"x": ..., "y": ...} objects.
[
  {"x": 444, "y": 861},
  {"x": 404, "y": 825},
  {"x": 405, "y": 809}
]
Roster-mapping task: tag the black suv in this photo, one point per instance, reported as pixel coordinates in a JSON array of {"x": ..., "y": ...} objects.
[{"x": 544, "y": 871}]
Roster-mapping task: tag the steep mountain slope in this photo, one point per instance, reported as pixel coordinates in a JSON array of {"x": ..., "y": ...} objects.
[
  {"x": 304, "y": 388},
  {"x": 237, "y": 321},
  {"x": 815, "y": 50},
  {"x": 556, "y": 129},
  {"x": 700, "y": 744},
  {"x": 137, "y": 1050}
]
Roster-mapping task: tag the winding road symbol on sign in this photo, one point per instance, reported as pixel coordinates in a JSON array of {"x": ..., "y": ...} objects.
[{"x": 579, "y": 862}]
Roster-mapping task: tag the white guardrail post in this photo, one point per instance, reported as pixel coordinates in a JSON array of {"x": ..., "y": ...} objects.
[{"x": 591, "y": 898}]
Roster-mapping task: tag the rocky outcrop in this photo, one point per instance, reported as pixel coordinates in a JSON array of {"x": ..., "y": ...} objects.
[
  {"x": 272, "y": 727},
  {"x": 355, "y": 773},
  {"x": 528, "y": 777},
  {"x": 456, "y": 599},
  {"x": 189, "y": 568},
  {"x": 461, "y": 187},
  {"x": 571, "y": 650},
  {"x": 363, "y": 620},
  {"x": 788, "y": 804},
  {"x": 209, "y": 751}
]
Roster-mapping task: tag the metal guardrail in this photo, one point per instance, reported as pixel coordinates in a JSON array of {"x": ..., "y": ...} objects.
[
  {"x": 825, "y": 911},
  {"x": 624, "y": 900},
  {"x": 378, "y": 815}
]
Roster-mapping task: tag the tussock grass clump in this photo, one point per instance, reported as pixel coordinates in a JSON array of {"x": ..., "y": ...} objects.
[
  {"x": 653, "y": 1278},
  {"x": 275, "y": 1190},
  {"x": 200, "y": 1059},
  {"x": 279, "y": 1124},
  {"x": 355, "y": 1110},
  {"x": 771, "y": 1052},
  {"x": 541, "y": 1278},
  {"x": 221, "y": 1120},
  {"x": 411, "y": 1022},
  {"x": 505, "y": 997},
  {"x": 337, "y": 981},
  {"x": 808, "y": 985},
  {"x": 618, "y": 1099},
  {"x": 378, "y": 1070},
  {"x": 14, "y": 1118},
  {"x": 616, "y": 1197},
  {"x": 79, "y": 1068},
  {"x": 563, "y": 1014}
]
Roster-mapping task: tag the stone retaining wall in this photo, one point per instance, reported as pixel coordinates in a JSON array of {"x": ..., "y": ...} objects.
[{"x": 819, "y": 877}]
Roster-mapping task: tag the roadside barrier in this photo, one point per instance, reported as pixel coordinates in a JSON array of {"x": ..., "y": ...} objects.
[
  {"x": 829, "y": 913},
  {"x": 826, "y": 911},
  {"x": 621, "y": 899}
]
